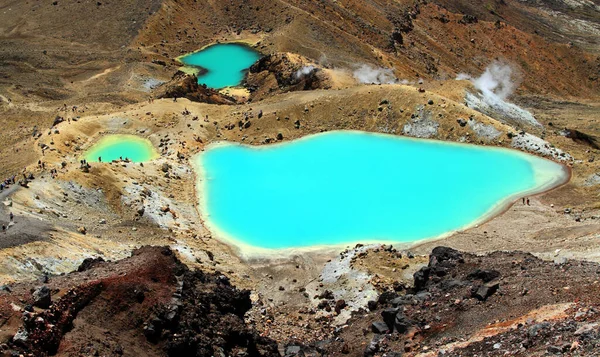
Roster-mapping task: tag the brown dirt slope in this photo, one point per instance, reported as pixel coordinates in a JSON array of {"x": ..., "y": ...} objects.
[
  {"x": 100, "y": 55},
  {"x": 418, "y": 39}
]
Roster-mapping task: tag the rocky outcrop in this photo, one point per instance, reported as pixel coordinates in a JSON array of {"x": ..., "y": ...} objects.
[
  {"x": 502, "y": 303},
  {"x": 150, "y": 298},
  {"x": 41, "y": 297},
  {"x": 89, "y": 263},
  {"x": 283, "y": 72},
  {"x": 422, "y": 124},
  {"x": 206, "y": 318},
  {"x": 581, "y": 138},
  {"x": 183, "y": 85},
  {"x": 42, "y": 333},
  {"x": 441, "y": 261}
]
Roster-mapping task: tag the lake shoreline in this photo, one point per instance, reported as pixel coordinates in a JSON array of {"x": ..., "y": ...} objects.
[{"x": 248, "y": 251}]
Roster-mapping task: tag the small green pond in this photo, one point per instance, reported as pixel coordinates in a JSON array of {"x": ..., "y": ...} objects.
[{"x": 121, "y": 147}]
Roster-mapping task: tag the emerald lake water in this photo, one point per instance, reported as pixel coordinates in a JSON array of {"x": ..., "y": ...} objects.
[
  {"x": 349, "y": 187},
  {"x": 225, "y": 63},
  {"x": 113, "y": 147}
]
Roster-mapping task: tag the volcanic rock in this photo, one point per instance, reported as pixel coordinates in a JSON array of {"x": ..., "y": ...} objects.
[
  {"x": 41, "y": 297},
  {"x": 380, "y": 327},
  {"x": 486, "y": 290}
]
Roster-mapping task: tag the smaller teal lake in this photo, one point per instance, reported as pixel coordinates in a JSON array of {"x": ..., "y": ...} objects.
[
  {"x": 347, "y": 187},
  {"x": 116, "y": 147},
  {"x": 225, "y": 64}
]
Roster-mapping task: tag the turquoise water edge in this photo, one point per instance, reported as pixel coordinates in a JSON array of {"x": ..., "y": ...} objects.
[
  {"x": 347, "y": 187},
  {"x": 115, "y": 147},
  {"x": 225, "y": 64}
]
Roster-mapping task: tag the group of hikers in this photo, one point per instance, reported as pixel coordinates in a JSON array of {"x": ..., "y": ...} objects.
[
  {"x": 85, "y": 163},
  {"x": 526, "y": 201},
  {"x": 7, "y": 182},
  {"x": 42, "y": 166},
  {"x": 65, "y": 108}
]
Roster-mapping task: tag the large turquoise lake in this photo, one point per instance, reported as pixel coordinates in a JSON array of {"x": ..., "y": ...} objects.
[
  {"x": 348, "y": 187},
  {"x": 225, "y": 64}
]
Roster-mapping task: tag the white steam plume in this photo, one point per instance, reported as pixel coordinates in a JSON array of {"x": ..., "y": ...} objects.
[
  {"x": 495, "y": 81},
  {"x": 366, "y": 74},
  {"x": 496, "y": 85},
  {"x": 304, "y": 71}
]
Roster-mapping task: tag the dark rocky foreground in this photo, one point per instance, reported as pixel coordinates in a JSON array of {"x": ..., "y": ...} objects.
[
  {"x": 504, "y": 303},
  {"x": 149, "y": 304}
]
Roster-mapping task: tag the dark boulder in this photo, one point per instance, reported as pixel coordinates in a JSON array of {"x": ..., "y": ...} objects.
[
  {"x": 421, "y": 277},
  {"x": 41, "y": 297},
  {"x": 485, "y": 291},
  {"x": 372, "y": 305},
  {"x": 441, "y": 269},
  {"x": 379, "y": 327},
  {"x": 402, "y": 323},
  {"x": 396, "y": 37},
  {"x": 403, "y": 300},
  {"x": 389, "y": 316},
  {"x": 327, "y": 294},
  {"x": 58, "y": 120},
  {"x": 395, "y": 320},
  {"x": 340, "y": 305},
  {"x": 150, "y": 332},
  {"x": 485, "y": 275},
  {"x": 89, "y": 263},
  {"x": 387, "y": 296},
  {"x": 443, "y": 254},
  {"x": 323, "y": 304}
]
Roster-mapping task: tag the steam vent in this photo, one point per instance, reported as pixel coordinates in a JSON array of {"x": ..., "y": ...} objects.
[{"x": 300, "y": 178}]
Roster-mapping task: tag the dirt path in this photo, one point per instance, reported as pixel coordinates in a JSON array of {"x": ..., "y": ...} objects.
[{"x": 22, "y": 229}]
